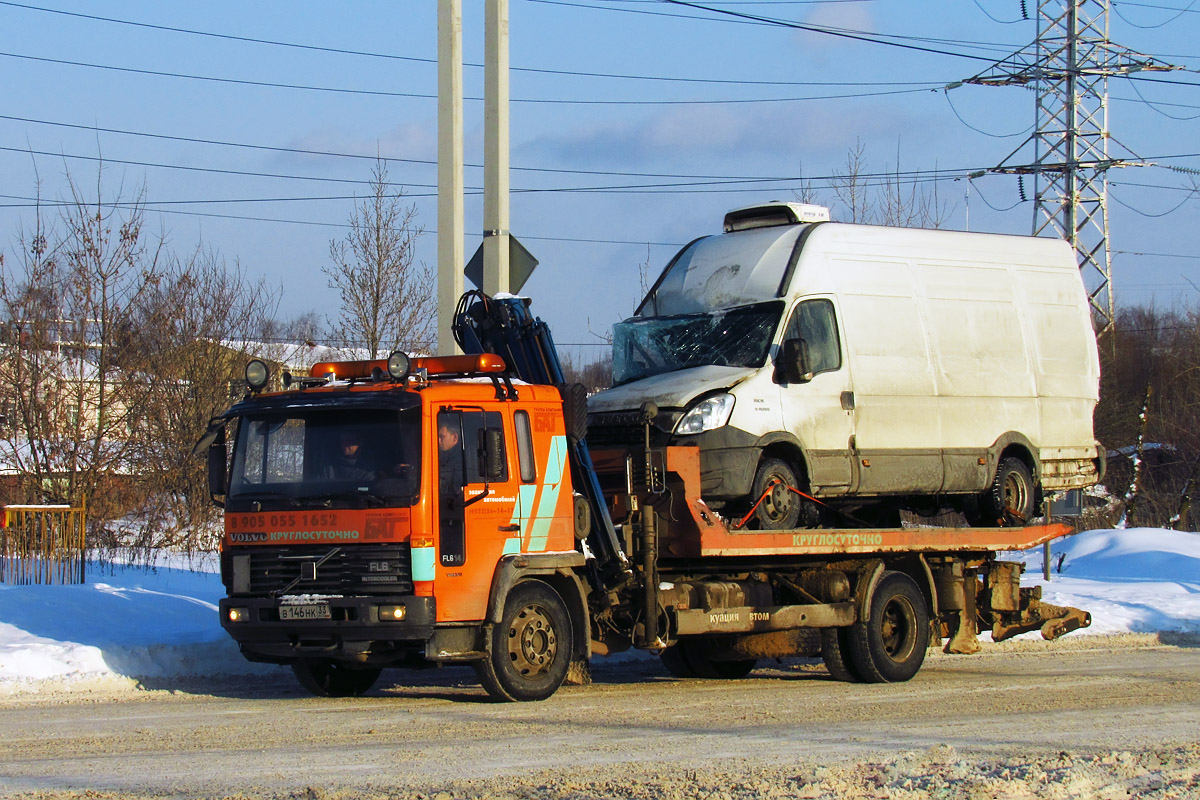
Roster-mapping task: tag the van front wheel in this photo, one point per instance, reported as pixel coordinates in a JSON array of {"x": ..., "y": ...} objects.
[{"x": 778, "y": 506}]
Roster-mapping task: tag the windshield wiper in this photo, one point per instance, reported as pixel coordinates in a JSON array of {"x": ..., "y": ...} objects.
[
  {"x": 327, "y": 499},
  {"x": 264, "y": 495}
]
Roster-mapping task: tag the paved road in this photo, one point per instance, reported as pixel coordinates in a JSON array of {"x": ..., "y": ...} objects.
[{"x": 420, "y": 729}]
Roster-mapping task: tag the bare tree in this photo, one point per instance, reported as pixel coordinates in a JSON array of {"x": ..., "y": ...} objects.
[
  {"x": 68, "y": 305},
  {"x": 890, "y": 198},
  {"x": 387, "y": 296},
  {"x": 181, "y": 326},
  {"x": 113, "y": 359}
]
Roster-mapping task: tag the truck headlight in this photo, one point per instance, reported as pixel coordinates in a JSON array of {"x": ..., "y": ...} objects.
[{"x": 709, "y": 414}]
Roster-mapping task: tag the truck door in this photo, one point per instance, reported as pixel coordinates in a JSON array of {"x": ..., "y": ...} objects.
[
  {"x": 475, "y": 500},
  {"x": 819, "y": 409}
]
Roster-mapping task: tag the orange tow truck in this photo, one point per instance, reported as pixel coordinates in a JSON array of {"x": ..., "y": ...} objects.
[{"x": 427, "y": 511}]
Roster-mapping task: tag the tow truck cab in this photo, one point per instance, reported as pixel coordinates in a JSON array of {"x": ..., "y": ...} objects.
[{"x": 371, "y": 507}]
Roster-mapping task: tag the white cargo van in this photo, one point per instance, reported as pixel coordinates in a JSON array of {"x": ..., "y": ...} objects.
[{"x": 869, "y": 368}]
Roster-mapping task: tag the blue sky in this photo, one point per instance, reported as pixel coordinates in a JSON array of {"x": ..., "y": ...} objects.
[{"x": 668, "y": 102}]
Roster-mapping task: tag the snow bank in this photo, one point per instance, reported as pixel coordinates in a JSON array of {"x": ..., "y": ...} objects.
[{"x": 130, "y": 624}]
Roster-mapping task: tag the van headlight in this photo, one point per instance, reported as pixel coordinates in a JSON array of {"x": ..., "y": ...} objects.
[{"x": 710, "y": 413}]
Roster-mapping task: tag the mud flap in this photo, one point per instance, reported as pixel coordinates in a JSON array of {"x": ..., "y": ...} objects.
[
  {"x": 964, "y": 639},
  {"x": 579, "y": 673}
]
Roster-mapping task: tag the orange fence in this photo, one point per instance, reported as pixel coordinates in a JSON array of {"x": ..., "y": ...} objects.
[{"x": 42, "y": 544}]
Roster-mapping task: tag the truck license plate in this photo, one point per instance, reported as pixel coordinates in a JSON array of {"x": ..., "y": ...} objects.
[{"x": 306, "y": 611}]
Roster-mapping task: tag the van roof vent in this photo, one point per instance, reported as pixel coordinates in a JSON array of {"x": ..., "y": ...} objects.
[{"x": 770, "y": 214}]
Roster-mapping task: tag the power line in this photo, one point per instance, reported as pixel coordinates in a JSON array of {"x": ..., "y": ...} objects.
[
  {"x": 33, "y": 202},
  {"x": 1188, "y": 10},
  {"x": 422, "y": 96},
  {"x": 845, "y": 34},
  {"x": 433, "y": 61},
  {"x": 188, "y": 168},
  {"x": 750, "y": 19},
  {"x": 868, "y": 179},
  {"x": 386, "y": 159},
  {"x": 1168, "y": 212},
  {"x": 1156, "y": 255}
]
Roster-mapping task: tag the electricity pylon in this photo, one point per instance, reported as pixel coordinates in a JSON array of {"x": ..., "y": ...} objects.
[{"x": 1069, "y": 65}]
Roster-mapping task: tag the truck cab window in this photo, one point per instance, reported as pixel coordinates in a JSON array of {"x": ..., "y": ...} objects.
[
  {"x": 525, "y": 458},
  {"x": 815, "y": 322},
  {"x": 475, "y": 445}
]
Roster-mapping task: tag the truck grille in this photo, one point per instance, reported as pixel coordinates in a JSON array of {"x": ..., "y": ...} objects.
[{"x": 321, "y": 569}]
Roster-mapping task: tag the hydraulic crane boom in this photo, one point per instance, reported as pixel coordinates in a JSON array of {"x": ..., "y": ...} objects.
[{"x": 504, "y": 326}]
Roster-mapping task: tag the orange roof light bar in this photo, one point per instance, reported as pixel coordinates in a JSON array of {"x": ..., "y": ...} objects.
[
  {"x": 348, "y": 370},
  {"x": 435, "y": 365},
  {"x": 461, "y": 365}
]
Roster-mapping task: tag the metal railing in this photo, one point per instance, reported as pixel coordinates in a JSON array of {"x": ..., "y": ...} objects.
[{"x": 42, "y": 544}]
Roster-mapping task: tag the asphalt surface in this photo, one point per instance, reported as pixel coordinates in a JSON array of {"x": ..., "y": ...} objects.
[{"x": 434, "y": 733}]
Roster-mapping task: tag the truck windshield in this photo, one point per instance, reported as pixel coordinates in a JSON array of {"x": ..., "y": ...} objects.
[
  {"x": 326, "y": 458},
  {"x": 734, "y": 337}
]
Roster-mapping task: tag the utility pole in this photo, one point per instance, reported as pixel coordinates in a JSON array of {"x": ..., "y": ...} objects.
[
  {"x": 496, "y": 233},
  {"x": 1069, "y": 66},
  {"x": 450, "y": 171}
]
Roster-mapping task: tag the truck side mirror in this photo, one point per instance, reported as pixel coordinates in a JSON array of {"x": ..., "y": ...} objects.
[
  {"x": 216, "y": 466},
  {"x": 791, "y": 365},
  {"x": 493, "y": 455}
]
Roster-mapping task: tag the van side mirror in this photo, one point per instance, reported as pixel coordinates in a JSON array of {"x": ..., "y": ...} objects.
[{"x": 791, "y": 365}]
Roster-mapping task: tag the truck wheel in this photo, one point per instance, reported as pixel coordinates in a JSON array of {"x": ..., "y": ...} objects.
[
  {"x": 835, "y": 653},
  {"x": 1012, "y": 498},
  {"x": 691, "y": 658},
  {"x": 531, "y": 647},
  {"x": 675, "y": 660},
  {"x": 780, "y": 508},
  {"x": 890, "y": 647},
  {"x": 334, "y": 679}
]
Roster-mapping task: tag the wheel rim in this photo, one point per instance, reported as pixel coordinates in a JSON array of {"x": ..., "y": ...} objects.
[
  {"x": 532, "y": 641},
  {"x": 777, "y": 504},
  {"x": 897, "y": 629},
  {"x": 1015, "y": 493}
]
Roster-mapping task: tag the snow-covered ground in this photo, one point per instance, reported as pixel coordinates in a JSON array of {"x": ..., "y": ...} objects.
[{"x": 129, "y": 625}]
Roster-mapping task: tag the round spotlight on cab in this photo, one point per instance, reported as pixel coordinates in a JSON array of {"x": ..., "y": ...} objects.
[
  {"x": 257, "y": 375},
  {"x": 399, "y": 365}
]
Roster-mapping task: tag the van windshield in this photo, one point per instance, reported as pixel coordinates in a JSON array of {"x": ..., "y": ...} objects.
[
  {"x": 733, "y": 337},
  {"x": 716, "y": 272}
]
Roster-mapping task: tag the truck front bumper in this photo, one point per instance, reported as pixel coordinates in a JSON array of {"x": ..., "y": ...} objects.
[{"x": 352, "y": 631}]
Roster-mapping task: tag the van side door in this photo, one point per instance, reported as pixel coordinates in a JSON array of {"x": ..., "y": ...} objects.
[{"x": 816, "y": 395}]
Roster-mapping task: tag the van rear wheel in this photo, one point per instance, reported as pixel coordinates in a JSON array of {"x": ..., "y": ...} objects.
[
  {"x": 778, "y": 506},
  {"x": 1012, "y": 498}
]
